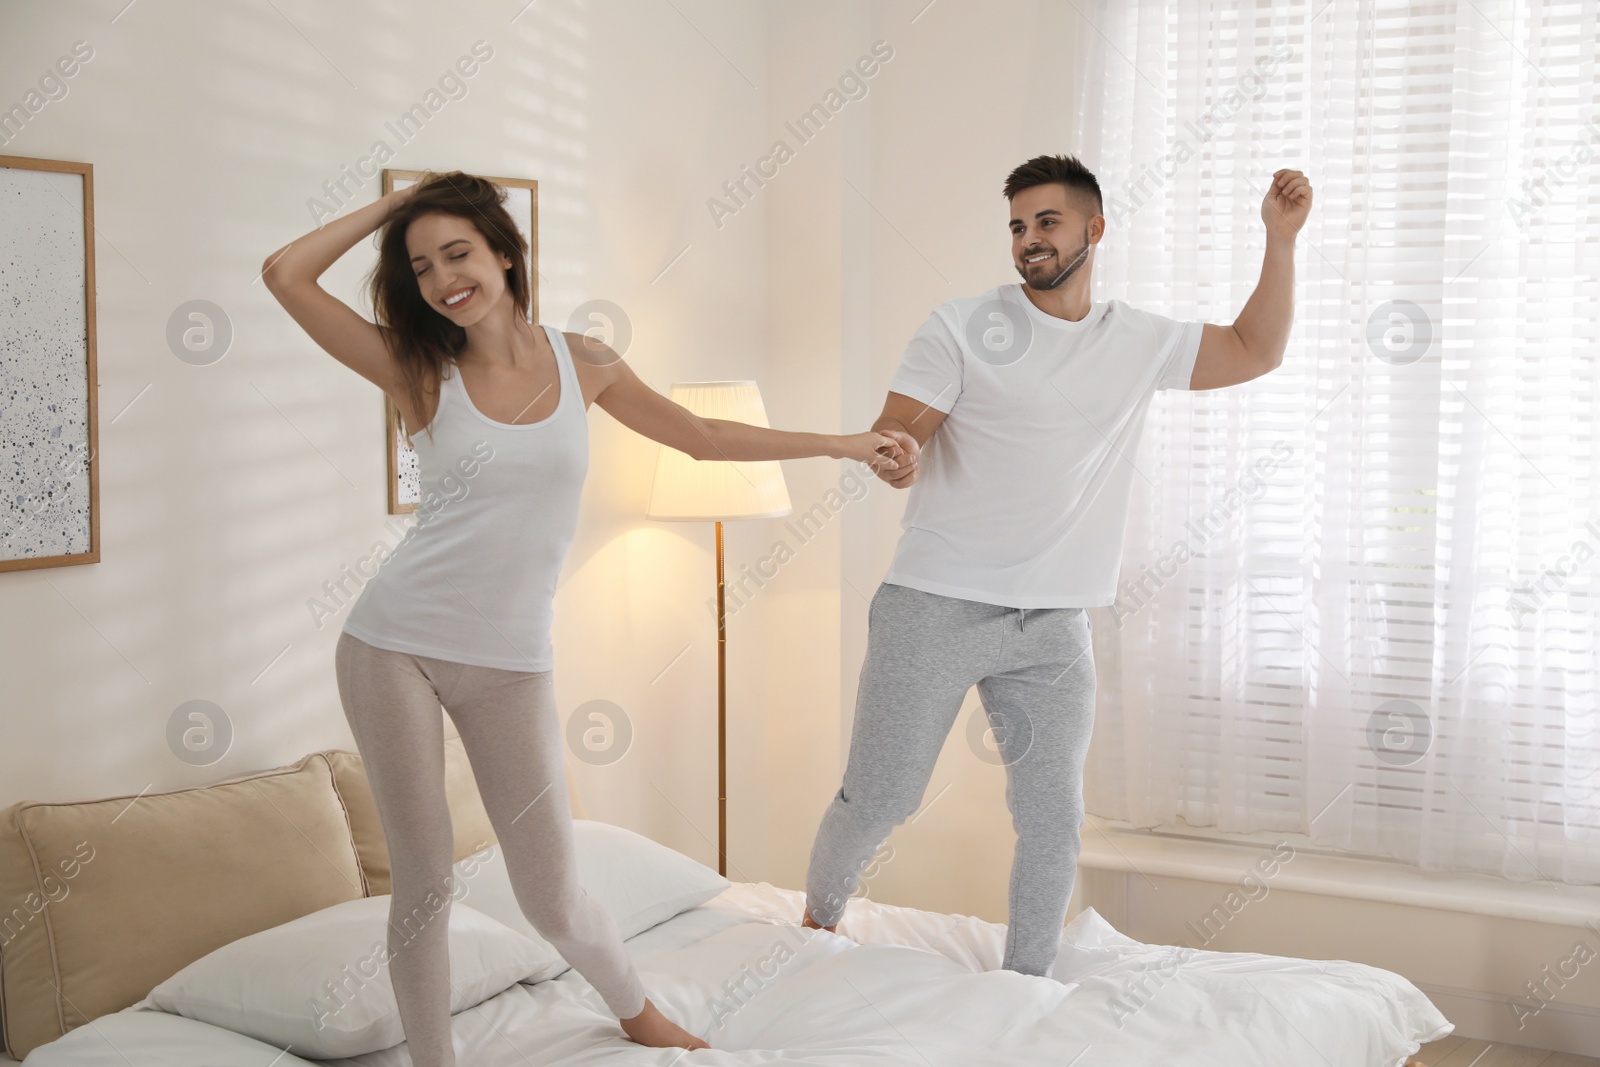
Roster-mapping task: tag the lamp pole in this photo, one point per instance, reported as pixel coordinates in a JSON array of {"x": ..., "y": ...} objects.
[{"x": 722, "y": 718}]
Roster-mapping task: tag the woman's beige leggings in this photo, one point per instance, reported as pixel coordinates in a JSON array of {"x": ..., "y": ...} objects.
[{"x": 508, "y": 724}]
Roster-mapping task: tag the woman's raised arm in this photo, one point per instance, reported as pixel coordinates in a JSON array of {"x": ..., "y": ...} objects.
[
  {"x": 640, "y": 408},
  {"x": 291, "y": 275}
]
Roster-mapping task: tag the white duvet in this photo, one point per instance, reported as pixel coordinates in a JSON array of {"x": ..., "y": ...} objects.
[{"x": 905, "y": 987}]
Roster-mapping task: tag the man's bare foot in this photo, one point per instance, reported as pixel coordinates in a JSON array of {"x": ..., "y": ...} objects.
[
  {"x": 811, "y": 924},
  {"x": 652, "y": 1028}
]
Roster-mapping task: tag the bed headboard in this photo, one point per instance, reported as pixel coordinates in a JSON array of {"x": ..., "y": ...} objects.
[{"x": 102, "y": 900}]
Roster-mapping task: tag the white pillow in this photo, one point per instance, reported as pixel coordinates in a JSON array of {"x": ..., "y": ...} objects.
[
  {"x": 320, "y": 983},
  {"x": 641, "y": 883}
]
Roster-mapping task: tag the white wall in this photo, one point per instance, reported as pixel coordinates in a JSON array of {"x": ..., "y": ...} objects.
[{"x": 230, "y": 493}]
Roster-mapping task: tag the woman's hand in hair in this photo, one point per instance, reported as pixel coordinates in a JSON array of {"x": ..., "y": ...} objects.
[{"x": 397, "y": 198}]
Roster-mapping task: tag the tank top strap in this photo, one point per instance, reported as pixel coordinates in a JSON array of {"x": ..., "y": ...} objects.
[{"x": 564, "y": 367}]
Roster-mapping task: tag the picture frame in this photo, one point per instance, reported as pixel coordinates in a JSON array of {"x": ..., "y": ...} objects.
[
  {"x": 49, "y": 381},
  {"x": 522, "y": 202}
]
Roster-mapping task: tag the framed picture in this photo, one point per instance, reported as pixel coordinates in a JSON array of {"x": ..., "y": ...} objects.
[
  {"x": 50, "y": 511},
  {"x": 522, "y": 202}
]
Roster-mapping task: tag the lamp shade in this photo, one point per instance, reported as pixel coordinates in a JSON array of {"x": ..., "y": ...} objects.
[{"x": 690, "y": 490}]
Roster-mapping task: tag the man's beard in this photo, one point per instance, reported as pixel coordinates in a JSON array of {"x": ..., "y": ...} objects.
[{"x": 1056, "y": 281}]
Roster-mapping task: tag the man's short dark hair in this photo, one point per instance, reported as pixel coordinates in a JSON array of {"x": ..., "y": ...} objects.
[{"x": 1067, "y": 170}]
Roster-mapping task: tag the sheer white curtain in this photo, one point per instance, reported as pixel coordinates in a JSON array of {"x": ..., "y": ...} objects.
[{"x": 1359, "y": 593}]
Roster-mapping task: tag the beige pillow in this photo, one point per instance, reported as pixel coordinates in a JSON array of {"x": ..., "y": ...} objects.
[
  {"x": 102, "y": 900},
  {"x": 469, "y": 820}
]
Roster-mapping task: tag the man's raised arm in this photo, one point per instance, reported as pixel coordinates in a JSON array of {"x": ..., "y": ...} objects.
[{"x": 1254, "y": 344}]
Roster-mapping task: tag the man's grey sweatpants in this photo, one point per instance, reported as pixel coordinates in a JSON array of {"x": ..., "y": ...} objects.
[{"x": 1035, "y": 675}]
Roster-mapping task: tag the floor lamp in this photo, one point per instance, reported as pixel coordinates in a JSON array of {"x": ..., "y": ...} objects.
[{"x": 688, "y": 490}]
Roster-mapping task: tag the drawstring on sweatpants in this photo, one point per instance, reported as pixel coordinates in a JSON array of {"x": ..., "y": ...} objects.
[{"x": 1022, "y": 618}]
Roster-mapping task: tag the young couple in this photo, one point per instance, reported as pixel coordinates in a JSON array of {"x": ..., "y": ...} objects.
[{"x": 461, "y": 615}]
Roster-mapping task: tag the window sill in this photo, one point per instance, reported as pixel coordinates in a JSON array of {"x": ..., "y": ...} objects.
[{"x": 1110, "y": 847}]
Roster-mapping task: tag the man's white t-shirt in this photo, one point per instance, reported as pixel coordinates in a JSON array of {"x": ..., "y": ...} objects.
[{"x": 1022, "y": 499}]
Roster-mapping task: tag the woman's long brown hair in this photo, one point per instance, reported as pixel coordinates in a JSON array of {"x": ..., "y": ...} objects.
[{"x": 421, "y": 340}]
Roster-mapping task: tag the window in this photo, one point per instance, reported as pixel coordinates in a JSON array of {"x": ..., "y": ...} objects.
[{"x": 1358, "y": 594}]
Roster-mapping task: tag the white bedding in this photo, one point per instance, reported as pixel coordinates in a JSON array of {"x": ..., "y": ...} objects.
[{"x": 905, "y": 987}]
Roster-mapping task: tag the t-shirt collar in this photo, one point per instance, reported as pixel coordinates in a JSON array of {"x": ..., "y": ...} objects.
[{"x": 1067, "y": 326}]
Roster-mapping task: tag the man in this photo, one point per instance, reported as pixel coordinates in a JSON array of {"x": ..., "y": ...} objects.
[{"x": 1029, "y": 400}]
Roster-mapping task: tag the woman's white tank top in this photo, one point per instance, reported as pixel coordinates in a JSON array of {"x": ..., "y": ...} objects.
[{"x": 474, "y": 579}]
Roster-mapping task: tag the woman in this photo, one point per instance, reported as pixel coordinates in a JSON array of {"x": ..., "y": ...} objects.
[{"x": 460, "y": 614}]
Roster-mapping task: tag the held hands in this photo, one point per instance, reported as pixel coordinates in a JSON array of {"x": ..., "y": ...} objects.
[
  {"x": 892, "y": 455},
  {"x": 1287, "y": 204},
  {"x": 907, "y": 460}
]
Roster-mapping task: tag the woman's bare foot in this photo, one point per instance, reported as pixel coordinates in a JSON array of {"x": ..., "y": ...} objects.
[
  {"x": 811, "y": 924},
  {"x": 652, "y": 1028},
  {"x": 1414, "y": 1062}
]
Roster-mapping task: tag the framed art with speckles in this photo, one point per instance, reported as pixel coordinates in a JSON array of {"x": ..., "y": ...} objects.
[
  {"x": 49, "y": 512},
  {"x": 522, "y": 203}
]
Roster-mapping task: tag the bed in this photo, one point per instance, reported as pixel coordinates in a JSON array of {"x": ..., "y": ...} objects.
[{"x": 728, "y": 961}]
